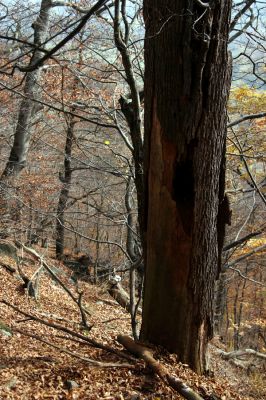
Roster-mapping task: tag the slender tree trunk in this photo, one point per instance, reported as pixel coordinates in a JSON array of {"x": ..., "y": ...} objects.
[
  {"x": 187, "y": 80},
  {"x": 131, "y": 108},
  {"x": 131, "y": 243},
  {"x": 67, "y": 176},
  {"x": 235, "y": 326},
  {"x": 19, "y": 150},
  {"x": 220, "y": 302},
  {"x": 97, "y": 237},
  {"x": 238, "y": 312},
  {"x": 64, "y": 193}
]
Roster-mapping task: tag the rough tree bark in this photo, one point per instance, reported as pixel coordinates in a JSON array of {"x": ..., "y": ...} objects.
[{"x": 187, "y": 80}]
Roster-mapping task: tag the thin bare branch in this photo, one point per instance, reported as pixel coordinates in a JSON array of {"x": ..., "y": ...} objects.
[
  {"x": 246, "y": 277},
  {"x": 240, "y": 13},
  {"x": 64, "y": 41},
  {"x": 91, "y": 341},
  {"x": 241, "y": 240},
  {"x": 91, "y": 362},
  {"x": 202, "y": 4},
  {"x": 245, "y": 118},
  {"x": 237, "y": 260}
]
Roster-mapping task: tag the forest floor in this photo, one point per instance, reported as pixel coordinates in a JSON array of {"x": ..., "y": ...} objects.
[{"x": 31, "y": 369}]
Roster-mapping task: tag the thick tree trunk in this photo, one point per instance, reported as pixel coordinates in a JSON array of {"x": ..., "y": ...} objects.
[{"x": 187, "y": 81}]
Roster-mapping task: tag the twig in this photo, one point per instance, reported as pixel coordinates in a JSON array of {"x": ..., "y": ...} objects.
[
  {"x": 241, "y": 240},
  {"x": 66, "y": 39},
  {"x": 246, "y": 117},
  {"x": 246, "y": 277},
  {"x": 57, "y": 317},
  {"x": 83, "y": 313},
  {"x": 240, "y": 13},
  {"x": 256, "y": 250}
]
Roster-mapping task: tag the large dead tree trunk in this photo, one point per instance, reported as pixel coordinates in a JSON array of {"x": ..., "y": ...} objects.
[{"x": 187, "y": 81}]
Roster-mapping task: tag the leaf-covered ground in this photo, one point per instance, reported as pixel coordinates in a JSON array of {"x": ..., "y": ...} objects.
[{"x": 30, "y": 369}]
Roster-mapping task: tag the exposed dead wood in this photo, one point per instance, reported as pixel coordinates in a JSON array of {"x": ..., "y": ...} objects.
[
  {"x": 241, "y": 353},
  {"x": 146, "y": 355},
  {"x": 27, "y": 283},
  {"x": 91, "y": 362},
  {"x": 92, "y": 342},
  {"x": 121, "y": 296}
]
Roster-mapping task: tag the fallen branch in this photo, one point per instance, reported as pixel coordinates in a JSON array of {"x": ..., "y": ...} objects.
[
  {"x": 145, "y": 354},
  {"x": 92, "y": 342},
  {"x": 56, "y": 317},
  {"x": 240, "y": 353},
  {"x": 121, "y": 296},
  {"x": 82, "y": 310},
  {"x": 93, "y": 363}
]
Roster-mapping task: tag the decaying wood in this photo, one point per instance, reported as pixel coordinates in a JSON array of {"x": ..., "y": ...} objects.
[
  {"x": 92, "y": 342},
  {"x": 27, "y": 283},
  {"x": 184, "y": 171},
  {"x": 121, "y": 296},
  {"x": 241, "y": 353},
  {"x": 91, "y": 362},
  {"x": 146, "y": 355},
  {"x": 244, "y": 358}
]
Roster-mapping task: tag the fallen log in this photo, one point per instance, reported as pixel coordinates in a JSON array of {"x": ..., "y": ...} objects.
[
  {"x": 142, "y": 352},
  {"x": 121, "y": 296},
  {"x": 241, "y": 353}
]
